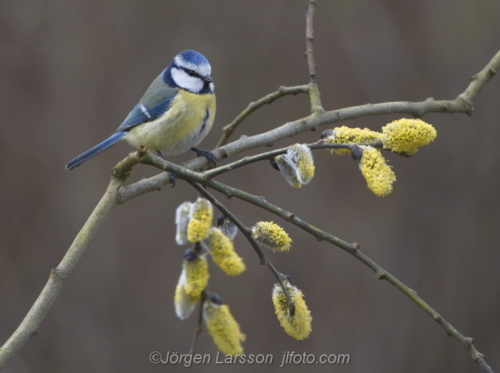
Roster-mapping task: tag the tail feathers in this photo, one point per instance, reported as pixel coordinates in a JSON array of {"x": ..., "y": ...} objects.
[{"x": 109, "y": 142}]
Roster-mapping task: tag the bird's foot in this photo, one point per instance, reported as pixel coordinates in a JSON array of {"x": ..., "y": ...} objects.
[
  {"x": 207, "y": 154},
  {"x": 172, "y": 178}
]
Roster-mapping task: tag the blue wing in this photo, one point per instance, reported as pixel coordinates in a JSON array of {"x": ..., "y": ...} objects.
[{"x": 155, "y": 102}]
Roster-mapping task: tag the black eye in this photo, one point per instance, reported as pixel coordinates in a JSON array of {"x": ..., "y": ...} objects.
[{"x": 191, "y": 73}]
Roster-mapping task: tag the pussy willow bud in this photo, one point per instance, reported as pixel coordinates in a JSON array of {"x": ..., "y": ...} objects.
[
  {"x": 222, "y": 250},
  {"x": 296, "y": 165},
  {"x": 227, "y": 227},
  {"x": 182, "y": 216},
  {"x": 378, "y": 175},
  {"x": 271, "y": 235},
  {"x": 183, "y": 302},
  {"x": 223, "y": 328},
  {"x": 195, "y": 270},
  {"x": 200, "y": 220},
  {"x": 192, "y": 281},
  {"x": 346, "y": 135},
  {"x": 297, "y": 324},
  {"x": 405, "y": 136}
]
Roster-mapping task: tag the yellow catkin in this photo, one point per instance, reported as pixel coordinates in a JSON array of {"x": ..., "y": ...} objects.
[
  {"x": 223, "y": 254},
  {"x": 305, "y": 163},
  {"x": 196, "y": 275},
  {"x": 223, "y": 328},
  {"x": 296, "y": 165},
  {"x": 183, "y": 302},
  {"x": 347, "y": 135},
  {"x": 405, "y": 136},
  {"x": 299, "y": 325},
  {"x": 378, "y": 175},
  {"x": 201, "y": 220},
  {"x": 271, "y": 236}
]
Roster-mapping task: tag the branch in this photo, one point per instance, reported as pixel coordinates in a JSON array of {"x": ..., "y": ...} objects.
[
  {"x": 352, "y": 249},
  {"x": 199, "y": 323},
  {"x": 117, "y": 193},
  {"x": 462, "y": 104},
  {"x": 58, "y": 276},
  {"x": 230, "y": 192},
  {"x": 210, "y": 174},
  {"x": 247, "y": 233},
  {"x": 314, "y": 95},
  {"x": 282, "y": 91},
  {"x": 479, "y": 80}
]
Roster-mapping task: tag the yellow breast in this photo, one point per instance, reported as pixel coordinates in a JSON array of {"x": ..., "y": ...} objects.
[{"x": 184, "y": 125}]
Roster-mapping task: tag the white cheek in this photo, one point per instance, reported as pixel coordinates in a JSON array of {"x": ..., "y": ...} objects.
[
  {"x": 183, "y": 80},
  {"x": 212, "y": 87}
]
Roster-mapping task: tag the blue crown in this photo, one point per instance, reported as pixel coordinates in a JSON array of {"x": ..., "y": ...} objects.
[{"x": 193, "y": 57}]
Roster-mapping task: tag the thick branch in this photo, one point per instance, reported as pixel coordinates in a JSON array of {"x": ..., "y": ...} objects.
[
  {"x": 462, "y": 104},
  {"x": 116, "y": 194}
]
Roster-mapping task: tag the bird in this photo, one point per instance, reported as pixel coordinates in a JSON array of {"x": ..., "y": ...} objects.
[{"x": 175, "y": 114}]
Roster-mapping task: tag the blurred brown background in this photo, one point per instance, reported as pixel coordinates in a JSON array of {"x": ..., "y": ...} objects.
[{"x": 71, "y": 70}]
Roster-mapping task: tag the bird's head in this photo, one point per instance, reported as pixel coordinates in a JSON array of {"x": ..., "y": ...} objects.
[{"x": 191, "y": 71}]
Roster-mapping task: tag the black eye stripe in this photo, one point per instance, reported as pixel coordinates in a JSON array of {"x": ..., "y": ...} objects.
[{"x": 192, "y": 73}]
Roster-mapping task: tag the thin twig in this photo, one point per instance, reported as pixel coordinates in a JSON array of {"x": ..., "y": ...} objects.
[
  {"x": 314, "y": 95},
  {"x": 246, "y": 232},
  {"x": 117, "y": 193},
  {"x": 210, "y": 174},
  {"x": 199, "y": 323},
  {"x": 352, "y": 249},
  {"x": 282, "y": 91},
  {"x": 462, "y": 104}
]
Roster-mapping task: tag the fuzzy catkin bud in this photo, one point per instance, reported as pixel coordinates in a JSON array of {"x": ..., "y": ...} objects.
[
  {"x": 297, "y": 325},
  {"x": 200, "y": 220},
  {"x": 182, "y": 217},
  {"x": 347, "y": 135},
  {"x": 227, "y": 227},
  {"x": 296, "y": 165},
  {"x": 378, "y": 175},
  {"x": 405, "y": 136},
  {"x": 271, "y": 235},
  {"x": 223, "y": 328},
  {"x": 183, "y": 302},
  {"x": 196, "y": 275},
  {"x": 222, "y": 250}
]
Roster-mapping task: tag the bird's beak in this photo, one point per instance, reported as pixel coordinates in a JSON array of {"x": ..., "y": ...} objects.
[{"x": 208, "y": 79}]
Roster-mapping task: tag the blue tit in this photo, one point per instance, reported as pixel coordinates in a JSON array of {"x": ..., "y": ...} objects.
[{"x": 174, "y": 115}]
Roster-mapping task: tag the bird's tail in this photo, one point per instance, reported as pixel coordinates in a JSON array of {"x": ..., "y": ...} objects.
[{"x": 109, "y": 142}]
